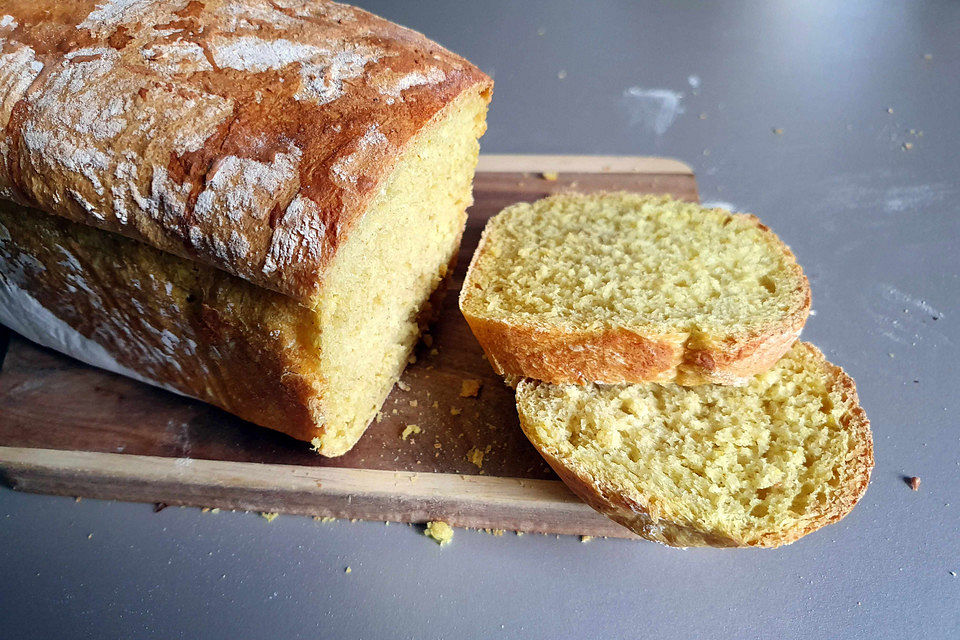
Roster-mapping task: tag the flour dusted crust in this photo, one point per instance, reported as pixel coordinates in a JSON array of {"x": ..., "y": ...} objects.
[
  {"x": 247, "y": 134},
  {"x": 193, "y": 329}
]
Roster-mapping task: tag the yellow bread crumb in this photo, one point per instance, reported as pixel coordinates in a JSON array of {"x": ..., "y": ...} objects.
[
  {"x": 323, "y": 518},
  {"x": 475, "y": 456},
  {"x": 414, "y": 403},
  {"x": 411, "y": 429},
  {"x": 454, "y": 411},
  {"x": 586, "y": 538},
  {"x": 315, "y": 444},
  {"x": 550, "y": 175},
  {"x": 470, "y": 387},
  {"x": 435, "y": 405},
  {"x": 348, "y": 570},
  {"x": 403, "y": 385},
  {"x": 434, "y": 351},
  {"x": 439, "y": 531},
  {"x": 269, "y": 517}
]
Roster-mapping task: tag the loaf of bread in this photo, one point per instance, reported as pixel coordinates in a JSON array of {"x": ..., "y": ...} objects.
[
  {"x": 621, "y": 287},
  {"x": 711, "y": 465},
  {"x": 291, "y": 176}
]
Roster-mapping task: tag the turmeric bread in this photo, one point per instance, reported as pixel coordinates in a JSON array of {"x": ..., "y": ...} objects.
[
  {"x": 711, "y": 465},
  {"x": 620, "y": 287},
  {"x": 246, "y": 201}
]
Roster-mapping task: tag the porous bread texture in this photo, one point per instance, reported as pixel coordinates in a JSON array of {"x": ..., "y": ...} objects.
[
  {"x": 374, "y": 294},
  {"x": 711, "y": 465},
  {"x": 620, "y": 287},
  {"x": 317, "y": 374}
]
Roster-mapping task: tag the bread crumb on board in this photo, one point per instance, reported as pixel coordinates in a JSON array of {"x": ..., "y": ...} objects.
[
  {"x": 454, "y": 411},
  {"x": 439, "y": 531},
  {"x": 470, "y": 387},
  {"x": 403, "y": 385},
  {"x": 410, "y": 429},
  {"x": 586, "y": 538},
  {"x": 914, "y": 482},
  {"x": 323, "y": 518},
  {"x": 348, "y": 570},
  {"x": 475, "y": 456},
  {"x": 269, "y": 516},
  {"x": 551, "y": 176}
]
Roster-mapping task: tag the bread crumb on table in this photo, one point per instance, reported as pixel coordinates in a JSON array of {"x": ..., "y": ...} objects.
[
  {"x": 410, "y": 429},
  {"x": 439, "y": 531},
  {"x": 550, "y": 176},
  {"x": 323, "y": 518},
  {"x": 470, "y": 387},
  {"x": 269, "y": 517},
  {"x": 403, "y": 385},
  {"x": 586, "y": 538},
  {"x": 778, "y": 131},
  {"x": 914, "y": 482},
  {"x": 348, "y": 570}
]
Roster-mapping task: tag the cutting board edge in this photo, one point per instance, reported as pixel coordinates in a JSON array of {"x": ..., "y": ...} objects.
[
  {"x": 535, "y": 163},
  {"x": 474, "y": 501}
]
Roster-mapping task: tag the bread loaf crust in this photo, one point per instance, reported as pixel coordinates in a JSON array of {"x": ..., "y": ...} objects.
[
  {"x": 561, "y": 355},
  {"x": 635, "y": 514},
  {"x": 250, "y": 135}
]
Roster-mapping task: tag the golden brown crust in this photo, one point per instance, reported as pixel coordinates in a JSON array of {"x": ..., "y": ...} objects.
[
  {"x": 641, "y": 516},
  {"x": 561, "y": 355},
  {"x": 250, "y": 135},
  {"x": 188, "y": 327}
]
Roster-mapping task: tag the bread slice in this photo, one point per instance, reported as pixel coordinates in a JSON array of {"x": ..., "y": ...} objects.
[
  {"x": 760, "y": 465},
  {"x": 621, "y": 287}
]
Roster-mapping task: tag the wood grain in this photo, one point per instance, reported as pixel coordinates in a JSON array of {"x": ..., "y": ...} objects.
[{"x": 112, "y": 427}]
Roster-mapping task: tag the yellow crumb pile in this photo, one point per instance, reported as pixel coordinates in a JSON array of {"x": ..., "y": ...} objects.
[
  {"x": 409, "y": 430},
  {"x": 439, "y": 531},
  {"x": 269, "y": 517},
  {"x": 475, "y": 456}
]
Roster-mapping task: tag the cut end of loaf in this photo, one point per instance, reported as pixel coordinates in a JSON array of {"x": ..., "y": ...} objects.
[
  {"x": 622, "y": 287},
  {"x": 377, "y": 290},
  {"x": 760, "y": 465}
]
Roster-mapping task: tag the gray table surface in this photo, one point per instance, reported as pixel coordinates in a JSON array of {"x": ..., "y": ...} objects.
[{"x": 877, "y": 228}]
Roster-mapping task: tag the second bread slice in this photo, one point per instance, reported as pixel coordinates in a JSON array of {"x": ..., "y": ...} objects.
[
  {"x": 712, "y": 465},
  {"x": 621, "y": 287}
]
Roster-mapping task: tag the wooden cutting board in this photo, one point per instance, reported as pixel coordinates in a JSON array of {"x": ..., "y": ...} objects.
[{"x": 69, "y": 429}]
